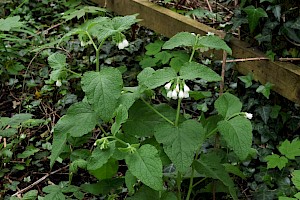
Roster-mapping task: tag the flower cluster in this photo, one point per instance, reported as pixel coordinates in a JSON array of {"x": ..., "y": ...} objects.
[
  {"x": 123, "y": 44},
  {"x": 180, "y": 90}
]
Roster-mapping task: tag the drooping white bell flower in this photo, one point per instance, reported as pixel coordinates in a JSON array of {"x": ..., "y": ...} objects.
[
  {"x": 168, "y": 86},
  {"x": 58, "y": 83},
  {"x": 186, "y": 95},
  {"x": 177, "y": 88},
  {"x": 123, "y": 44},
  {"x": 174, "y": 94},
  {"x": 186, "y": 88},
  {"x": 181, "y": 94},
  {"x": 248, "y": 115},
  {"x": 169, "y": 94}
]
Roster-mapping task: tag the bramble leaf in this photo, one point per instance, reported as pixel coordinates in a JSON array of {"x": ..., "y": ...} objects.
[
  {"x": 146, "y": 165},
  {"x": 227, "y": 105},
  {"x": 180, "y": 143},
  {"x": 237, "y": 133},
  {"x": 193, "y": 70},
  {"x": 275, "y": 160},
  {"x": 102, "y": 90}
]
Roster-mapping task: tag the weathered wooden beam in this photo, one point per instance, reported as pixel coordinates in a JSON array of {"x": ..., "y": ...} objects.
[{"x": 285, "y": 76}]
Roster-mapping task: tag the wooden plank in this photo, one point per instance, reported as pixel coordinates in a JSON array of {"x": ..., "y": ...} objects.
[{"x": 285, "y": 76}]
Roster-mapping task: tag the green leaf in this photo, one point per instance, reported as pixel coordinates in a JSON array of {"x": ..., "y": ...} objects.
[
  {"x": 290, "y": 149},
  {"x": 81, "y": 11},
  {"x": 237, "y": 133},
  {"x": 145, "y": 193},
  {"x": 130, "y": 181},
  {"x": 148, "y": 62},
  {"x": 234, "y": 170},
  {"x": 102, "y": 90},
  {"x": 146, "y": 165},
  {"x": 10, "y": 23},
  {"x": 164, "y": 57},
  {"x": 30, "y": 150},
  {"x": 142, "y": 120},
  {"x": 15, "y": 120},
  {"x": 154, "y": 48},
  {"x": 296, "y": 178},
  {"x": 210, "y": 165},
  {"x": 79, "y": 120},
  {"x": 180, "y": 39},
  {"x": 57, "y": 61},
  {"x": 77, "y": 163},
  {"x": 121, "y": 117},
  {"x": 30, "y": 195},
  {"x": 265, "y": 89},
  {"x": 180, "y": 143},
  {"x": 103, "y": 187},
  {"x": 54, "y": 193},
  {"x": 100, "y": 156},
  {"x": 254, "y": 14},
  {"x": 193, "y": 70},
  {"x": 160, "y": 77},
  {"x": 264, "y": 113},
  {"x": 106, "y": 171},
  {"x": 275, "y": 111},
  {"x": 58, "y": 144},
  {"x": 275, "y": 160},
  {"x": 227, "y": 105},
  {"x": 247, "y": 80},
  {"x": 213, "y": 42}
]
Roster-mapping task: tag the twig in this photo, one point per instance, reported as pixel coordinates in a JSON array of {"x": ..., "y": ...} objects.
[
  {"x": 289, "y": 59},
  {"x": 260, "y": 58},
  {"x": 40, "y": 180},
  {"x": 210, "y": 9},
  {"x": 223, "y": 73}
]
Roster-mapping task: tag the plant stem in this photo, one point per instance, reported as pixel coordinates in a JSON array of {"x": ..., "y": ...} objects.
[
  {"x": 73, "y": 72},
  {"x": 161, "y": 115},
  {"x": 192, "y": 54},
  {"x": 119, "y": 140},
  {"x": 102, "y": 129},
  {"x": 178, "y": 180},
  {"x": 178, "y": 112},
  {"x": 97, "y": 60},
  {"x": 191, "y": 183},
  {"x": 199, "y": 181},
  {"x": 211, "y": 133}
]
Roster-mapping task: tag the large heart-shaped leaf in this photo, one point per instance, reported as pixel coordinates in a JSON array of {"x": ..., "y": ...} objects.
[
  {"x": 102, "y": 90},
  {"x": 227, "y": 105}
]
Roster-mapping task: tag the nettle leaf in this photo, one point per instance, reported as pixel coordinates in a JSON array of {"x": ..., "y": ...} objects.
[
  {"x": 254, "y": 14},
  {"x": 193, "y": 70},
  {"x": 154, "y": 48},
  {"x": 180, "y": 39},
  {"x": 10, "y": 23},
  {"x": 237, "y": 132},
  {"x": 213, "y": 42},
  {"x": 290, "y": 149},
  {"x": 227, "y": 105},
  {"x": 100, "y": 156},
  {"x": 159, "y": 77},
  {"x": 142, "y": 119},
  {"x": 296, "y": 178},
  {"x": 275, "y": 160},
  {"x": 180, "y": 143},
  {"x": 210, "y": 165},
  {"x": 102, "y": 90},
  {"x": 146, "y": 165}
]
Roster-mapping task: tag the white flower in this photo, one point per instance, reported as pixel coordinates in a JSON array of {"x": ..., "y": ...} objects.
[
  {"x": 168, "y": 86},
  {"x": 186, "y": 95},
  {"x": 123, "y": 44},
  {"x": 177, "y": 88},
  {"x": 174, "y": 94},
  {"x": 169, "y": 94},
  {"x": 186, "y": 88},
  {"x": 248, "y": 115},
  {"x": 210, "y": 33},
  {"x": 181, "y": 94},
  {"x": 58, "y": 83},
  {"x": 193, "y": 34}
]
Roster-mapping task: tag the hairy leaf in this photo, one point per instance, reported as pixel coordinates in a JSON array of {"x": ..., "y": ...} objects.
[
  {"x": 227, "y": 105},
  {"x": 159, "y": 78},
  {"x": 213, "y": 42},
  {"x": 146, "y": 165},
  {"x": 180, "y": 39}
]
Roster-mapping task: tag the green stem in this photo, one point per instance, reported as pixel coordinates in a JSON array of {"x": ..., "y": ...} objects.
[
  {"x": 191, "y": 183},
  {"x": 73, "y": 72},
  {"x": 178, "y": 180},
  {"x": 211, "y": 133},
  {"x": 161, "y": 115},
  {"x": 192, "y": 55},
  {"x": 119, "y": 140},
  {"x": 199, "y": 182},
  {"x": 178, "y": 112},
  {"x": 102, "y": 129},
  {"x": 97, "y": 60}
]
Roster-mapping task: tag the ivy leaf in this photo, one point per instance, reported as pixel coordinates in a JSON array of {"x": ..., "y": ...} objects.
[
  {"x": 296, "y": 178},
  {"x": 227, "y": 105},
  {"x": 264, "y": 113},
  {"x": 265, "y": 89},
  {"x": 193, "y": 70},
  {"x": 100, "y": 156},
  {"x": 210, "y": 165},
  {"x": 180, "y": 39},
  {"x": 237, "y": 133},
  {"x": 290, "y": 149},
  {"x": 180, "y": 143},
  {"x": 79, "y": 120},
  {"x": 254, "y": 14},
  {"x": 159, "y": 77},
  {"x": 154, "y": 48},
  {"x": 102, "y": 90},
  {"x": 10, "y": 23},
  {"x": 213, "y": 42},
  {"x": 142, "y": 120},
  {"x": 247, "y": 80},
  {"x": 146, "y": 165},
  {"x": 275, "y": 160}
]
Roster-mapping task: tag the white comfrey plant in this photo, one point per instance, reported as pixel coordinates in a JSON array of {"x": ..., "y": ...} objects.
[
  {"x": 179, "y": 90},
  {"x": 123, "y": 44}
]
